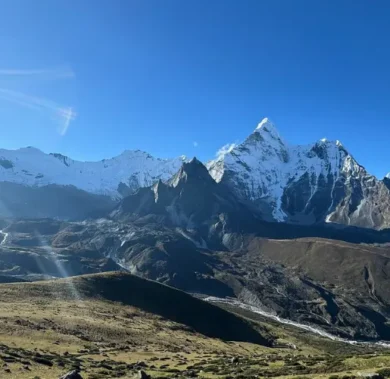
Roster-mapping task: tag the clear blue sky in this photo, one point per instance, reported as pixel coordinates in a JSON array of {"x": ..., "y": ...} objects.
[{"x": 92, "y": 78}]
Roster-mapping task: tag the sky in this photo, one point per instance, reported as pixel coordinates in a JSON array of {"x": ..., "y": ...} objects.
[{"x": 90, "y": 79}]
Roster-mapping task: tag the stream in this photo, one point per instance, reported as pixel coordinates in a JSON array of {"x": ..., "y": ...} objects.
[{"x": 309, "y": 328}]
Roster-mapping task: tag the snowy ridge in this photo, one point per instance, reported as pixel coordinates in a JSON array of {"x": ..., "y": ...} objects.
[
  {"x": 32, "y": 167},
  {"x": 264, "y": 165}
]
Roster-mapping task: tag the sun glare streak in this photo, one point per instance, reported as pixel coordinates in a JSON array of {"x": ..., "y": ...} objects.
[
  {"x": 61, "y": 114},
  {"x": 61, "y": 269}
]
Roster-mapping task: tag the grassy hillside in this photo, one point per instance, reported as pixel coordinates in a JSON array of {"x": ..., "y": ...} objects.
[
  {"x": 117, "y": 318},
  {"x": 149, "y": 296},
  {"x": 111, "y": 325}
]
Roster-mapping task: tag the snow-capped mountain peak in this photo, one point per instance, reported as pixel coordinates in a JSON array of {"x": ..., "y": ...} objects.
[
  {"x": 299, "y": 183},
  {"x": 267, "y": 130}
]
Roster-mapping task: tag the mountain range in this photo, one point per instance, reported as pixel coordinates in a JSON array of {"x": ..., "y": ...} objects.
[
  {"x": 300, "y": 184},
  {"x": 299, "y": 232}
]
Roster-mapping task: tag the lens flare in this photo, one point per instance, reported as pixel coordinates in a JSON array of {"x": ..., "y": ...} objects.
[{"x": 60, "y": 267}]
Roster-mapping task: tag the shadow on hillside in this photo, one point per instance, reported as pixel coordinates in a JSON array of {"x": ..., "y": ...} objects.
[{"x": 171, "y": 304}]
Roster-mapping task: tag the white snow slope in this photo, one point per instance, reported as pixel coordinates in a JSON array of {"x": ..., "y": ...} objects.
[
  {"x": 31, "y": 167},
  {"x": 264, "y": 165}
]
